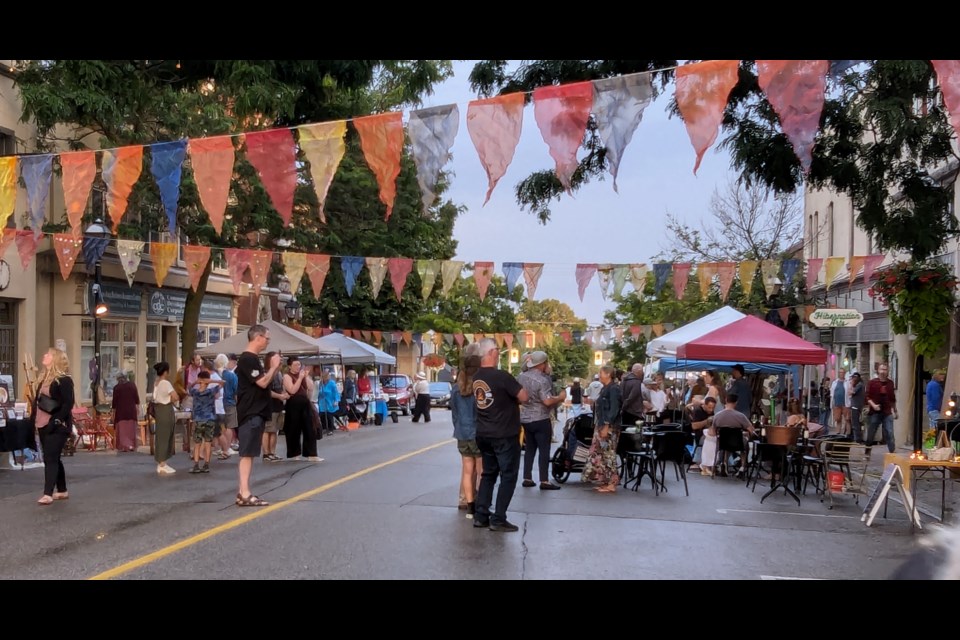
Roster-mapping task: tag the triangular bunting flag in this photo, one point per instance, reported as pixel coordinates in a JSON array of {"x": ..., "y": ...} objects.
[
  {"x": 531, "y": 274},
  {"x": 68, "y": 248},
  {"x": 702, "y": 90},
  {"x": 618, "y": 105},
  {"x": 259, "y": 269},
  {"x": 681, "y": 273},
  {"x": 6, "y": 237},
  {"x": 494, "y": 126},
  {"x": 351, "y": 266},
  {"x": 808, "y": 310},
  {"x": 323, "y": 147},
  {"x": 784, "y": 315},
  {"x": 669, "y": 326},
  {"x": 294, "y": 264},
  {"x": 618, "y": 332},
  {"x": 273, "y": 153},
  {"x": 78, "y": 168},
  {"x": 163, "y": 255},
  {"x": 705, "y": 273},
  {"x": 620, "y": 274},
  {"x": 856, "y": 263},
  {"x": 869, "y": 265},
  {"x": 470, "y": 337},
  {"x": 769, "y": 270},
  {"x": 408, "y": 337},
  {"x": 318, "y": 265},
  {"x": 638, "y": 277},
  {"x": 511, "y": 273},
  {"x": 562, "y": 112},
  {"x": 377, "y": 337},
  {"x": 365, "y": 335},
  {"x": 195, "y": 257},
  {"x": 657, "y": 330},
  {"x": 508, "y": 340},
  {"x": 93, "y": 250},
  {"x": 661, "y": 271},
  {"x": 449, "y": 271},
  {"x": 400, "y": 269},
  {"x": 748, "y": 271},
  {"x": 499, "y": 338},
  {"x": 378, "y": 271},
  {"x": 8, "y": 188},
  {"x": 635, "y": 331},
  {"x": 121, "y": 169},
  {"x": 130, "y": 252},
  {"x": 583, "y": 275},
  {"x": 813, "y": 271},
  {"x": 37, "y": 172},
  {"x": 795, "y": 89},
  {"x": 212, "y": 162},
  {"x": 647, "y": 331},
  {"x": 604, "y": 277},
  {"x": 448, "y": 338},
  {"x": 27, "y": 242},
  {"x": 726, "y": 271},
  {"x": 459, "y": 339},
  {"x": 833, "y": 266},
  {"x": 237, "y": 262},
  {"x": 482, "y": 272},
  {"x": 432, "y": 133},
  {"x": 948, "y": 78},
  {"x": 166, "y": 166},
  {"x": 427, "y": 270},
  {"x": 381, "y": 138},
  {"x": 790, "y": 268}
]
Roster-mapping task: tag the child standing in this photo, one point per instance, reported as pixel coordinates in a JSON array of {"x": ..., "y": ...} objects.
[{"x": 204, "y": 394}]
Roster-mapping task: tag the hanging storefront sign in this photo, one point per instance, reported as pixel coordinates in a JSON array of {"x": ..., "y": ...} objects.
[
  {"x": 121, "y": 301},
  {"x": 168, "y": 305},
  {"x": 836, "y": 318}
]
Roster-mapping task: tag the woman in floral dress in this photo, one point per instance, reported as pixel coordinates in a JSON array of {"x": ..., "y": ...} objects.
[{"x": 602, "y": 466}]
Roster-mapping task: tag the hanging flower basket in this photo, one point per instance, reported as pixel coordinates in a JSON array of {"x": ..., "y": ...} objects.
[{"x": 433, "y": 360}]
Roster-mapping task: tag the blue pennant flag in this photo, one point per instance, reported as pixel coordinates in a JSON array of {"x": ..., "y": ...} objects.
[
  {"x": 351, "y": 266},
  {"x": 512, "y": 271},
  {"x": 661, "y": 271},
  {"x": 93, "y": 249},
  {"x": 789, "y": 271},
  {"x": 166, "y": 168},
  {"x": 36, "y": 172}
]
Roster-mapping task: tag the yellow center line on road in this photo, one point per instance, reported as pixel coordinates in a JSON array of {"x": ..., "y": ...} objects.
[{"x": 142, "y": 561}]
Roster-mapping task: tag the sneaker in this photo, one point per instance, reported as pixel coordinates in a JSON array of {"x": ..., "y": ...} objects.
[
  {"x": 529, "y": 483},
  {"x": 196, "y": 468},
  {"x": 548, "y": 486},
  {"x": 235, "y": 446},
  {"x": 471, "y": 509},
  {"x": 481, "y": 524},
  {"x": 504, "y": 526},
  {"x": 205, "y": 468},
  {"x": 294, "y": 459},
  {"x": 166, "y": 469},
  {"x": 314, "y": 459}
]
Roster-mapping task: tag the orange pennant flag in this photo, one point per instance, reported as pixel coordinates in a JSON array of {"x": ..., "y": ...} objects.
[
  {"x": 795, "y": 90},
  {"x": 273, "y": 153},
  {"x": 212, "y": 161},
  {"x": 833, "y": 266},
  {"x": 508, "y": 340},
  {"x": 381, "y": 138},
  {"x": 6, "y": 238},
  {"x": 408, "y": 337},
  {"x": 856, "y": 263},
  {"x": 499, "y": 338},
  {"x": 531, "y": 274},
  {"x": 657, "y": 329},
  {"x": 562, "y": 112},
  {"x": 399, "y": 270},
  {"x": 318, "y": 266},
  {"x": 121, "y": 170},
  {"x": 195, "y": 257},
  {"x": 68, "y": 247},
  {"x": 784, "y": 314},
  {"x": 79, "y": 169},
  {"x": 377, "y": 337},
  {"x": 482, "y": 272},
  {"x": 494, "y": 126},
  {"x": 237, "y": 262},
  {"x": 726, "y": 271},
  {"x": 702, "y": 91},
  {"x": 365, "y": 335},
  {"x": 8, "y": 188},
  {"x": 259, "y": 269},
  {"x": 681, "y": 273},
  {"x": 748, "y": 271},
  {"x": 705, "y": 273},
  {"x": 27, "y": 245},
  {"x": 163, "y": 255}
]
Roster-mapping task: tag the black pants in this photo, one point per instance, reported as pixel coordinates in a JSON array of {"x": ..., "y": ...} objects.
[
  {"x": 298, "y": 427},
  {"x": 422, "y": 407},
  {"x": 501, "y": 459},
  {"x": 537, "y": 436},
  {"x": 52, "y": 439},
  {"x": 631, "y": 419}
]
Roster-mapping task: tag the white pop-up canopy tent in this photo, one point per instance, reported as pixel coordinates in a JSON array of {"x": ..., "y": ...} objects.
[
  {"x": 666, "y": 345},
  {"x": 352, "y": 351},
  {"x": 282, "y": 338}
]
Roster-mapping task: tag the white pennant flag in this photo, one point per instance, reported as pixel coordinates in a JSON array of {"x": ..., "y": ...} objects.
[{"x": 130, "y": 253}]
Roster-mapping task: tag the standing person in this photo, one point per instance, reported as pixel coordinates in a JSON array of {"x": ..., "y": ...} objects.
[
  {"x": 53, "y": 419},
  {"x": 741, "y": 387},
  {"x": 329, "y": 403},
  {"x": 275, "y": 424},
  {"x": 858, "y": 395},
  {"x": 714, "y": 387},
  {"x": 126, "y": 402},
  {"x": 576, "y": 398},
  {"x": 882, "y": 407},
  {"x": 536, "y": 416},
  {"x": 298, "y": 424},
  {"x": 593, "y": 390},
  {"x": 253, "y": 408},
  {"x": 813, "y": 403},
  {"x": 463, "y": 412},
  {"x": 631, "y": 390},
  {"x": 351, "y": 394},
  {"x": 498, "y": 396},
  {"x": 204, "y": 396},
  {"x": 838, "y": 402},
  {"x": 601, "y": 467},
  {"x": 421, "y": 406},
  {"x": 225, "y": 365},
  {"x": 164, "y": 398},
  {"x": 935, "y": 396}
]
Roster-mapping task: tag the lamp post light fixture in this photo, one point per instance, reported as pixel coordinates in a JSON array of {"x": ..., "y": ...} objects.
[
  {"x": 330, "y": 321},
  {"x": 97, "y": 231},
  {"x": 293, "y": 310}
]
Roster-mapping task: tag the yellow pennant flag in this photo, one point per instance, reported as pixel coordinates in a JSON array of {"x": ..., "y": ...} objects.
[
  {"x": 748, "y": 269},
  {"x": 449, "y": 271},
  {"x": 8, "y": 188},
  {"x": 294, "y": 264},
  {"x": 323, "y": 146},
  {"x": 163, "y": 254},
  {"x": 833, "y": 266},
  {"x": 705, "y": 273},
  {"x": 770, "y": 269}
]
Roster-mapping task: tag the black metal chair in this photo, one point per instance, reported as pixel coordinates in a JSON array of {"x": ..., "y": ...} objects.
[
  {"x": 729, "y": 441},
  {"x": 634, "y": 458},
  {"x": 669, "y": 446}
]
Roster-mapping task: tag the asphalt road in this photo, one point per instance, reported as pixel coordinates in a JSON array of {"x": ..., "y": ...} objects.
[{"x": 383, "y": 506}]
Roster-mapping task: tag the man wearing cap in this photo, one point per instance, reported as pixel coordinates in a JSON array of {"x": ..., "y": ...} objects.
[
  {"x": 421, "y": 407},
  {"x": 741, "y": 387},
  {"x": 935, "y": 396},
  {"x": 536, "y": 416}
]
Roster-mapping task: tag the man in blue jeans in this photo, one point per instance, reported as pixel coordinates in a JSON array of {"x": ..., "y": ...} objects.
[
  {"x": 498, "y": 396},
  {"x": 882, "y": 407},
  {"x": 935, "y": 396}
]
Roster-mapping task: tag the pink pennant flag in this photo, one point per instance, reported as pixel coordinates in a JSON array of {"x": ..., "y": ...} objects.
[
  {"x": 27, "y": 245},
  {"x": 784, "y": 314},
  {"x": 869, "y": 264},
  {"x": 856, "y": 263},
  {"x": 237, "y": 262},
  {"x": 635, "y": 331},
  {"x": 482, "y": 272},
  {"x": 702, "y": 90},
  {"x": 531, "y": 273},
  {"x": 67, "y": 247},
  {"x": 459, "y": 339},
  {"x": 399, "y": 270},
  {"x": 948, "y": 78},
  {"x": 726, "y": 271},
  {"x": 381, "y": 138},
  {"x": 195, "y": 257},
  {"x": 567, "y": 337},
  {"x": 795, "y": 90},
  {"x": 273, "y": 154},
  {"x": 121, "y": 170},
  {"x": 494, "y": 126},
  {"x": 681, "y": 273},
  {"x": 212, "y": 162},
  {"x": 562, "y": 112},
  {"x": 813, "y": 271},
  {"x": 259, "y": 268},
  {"x": 584, "y": 274},
  {"x": 79, "y": 169},
  {"x": 318, "y": 266},
  {"x": 508, "y": 340},
  {"x": 163, "y": 255}
]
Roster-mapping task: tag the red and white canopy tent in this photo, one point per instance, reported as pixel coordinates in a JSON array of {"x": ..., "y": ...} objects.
[{"x": 751, "y": 339}]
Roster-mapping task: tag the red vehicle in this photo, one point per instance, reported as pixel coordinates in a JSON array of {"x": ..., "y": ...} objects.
[{"x": 398, "y": 388}]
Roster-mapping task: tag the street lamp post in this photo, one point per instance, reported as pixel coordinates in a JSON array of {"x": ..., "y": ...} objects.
[{"x": 98, "y": 231}]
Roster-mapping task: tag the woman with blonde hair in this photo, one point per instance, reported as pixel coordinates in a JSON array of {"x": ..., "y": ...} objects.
[
  {"x": 53, "y": 418},
  {"x": 463, "y": 409}
]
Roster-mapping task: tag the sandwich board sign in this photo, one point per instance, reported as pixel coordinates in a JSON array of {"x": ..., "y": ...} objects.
[{"x": 892, "y": 476}]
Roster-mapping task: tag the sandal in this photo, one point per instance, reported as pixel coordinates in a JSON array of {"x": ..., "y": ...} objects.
[
  {"x": 251, "y": 501},
  {"x": 694, "y": 467},
  {"x": 45, "y": 500},
  {"x": 223, "y": 456},
  {"x": 61, "y": 496}
]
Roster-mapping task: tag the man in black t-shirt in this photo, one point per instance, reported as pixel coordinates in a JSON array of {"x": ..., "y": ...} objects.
[
  {"x": 253, "y": 407},
  {"x": 498, "y": 396}
]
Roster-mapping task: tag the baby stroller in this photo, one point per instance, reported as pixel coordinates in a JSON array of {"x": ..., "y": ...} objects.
[{"x": 571, "y": 456}]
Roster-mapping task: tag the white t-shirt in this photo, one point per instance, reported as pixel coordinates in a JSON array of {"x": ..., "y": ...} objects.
[
  {"x": 218, "y": 402},
  {"x": 422, "y": 386},
  {"x": 163, "y": 392}
]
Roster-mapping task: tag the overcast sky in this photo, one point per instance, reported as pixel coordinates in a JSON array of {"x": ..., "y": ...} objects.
[{"x": 597, "y": 224}]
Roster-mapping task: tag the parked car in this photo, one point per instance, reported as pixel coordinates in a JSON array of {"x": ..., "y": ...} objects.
[
  {"x": 398, "y": 389},
  {"x": 440, "y": 394}
]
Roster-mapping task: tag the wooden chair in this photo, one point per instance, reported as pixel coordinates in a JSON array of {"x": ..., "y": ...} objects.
[{"x": 92, "y": 428}]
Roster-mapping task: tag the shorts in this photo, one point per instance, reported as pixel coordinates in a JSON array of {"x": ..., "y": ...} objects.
[
  {"x": 203, "y": 430},
  {"x": 275, "y": 424},
  {"x": 230, "y": 417},
  {"x": 468, "y": 448},
  {"x": 250, "y": 435}
]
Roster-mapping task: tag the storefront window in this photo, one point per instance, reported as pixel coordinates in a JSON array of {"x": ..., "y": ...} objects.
[
  {"x": 153, "y": 354},
  {"x": 111, "y": 361}
]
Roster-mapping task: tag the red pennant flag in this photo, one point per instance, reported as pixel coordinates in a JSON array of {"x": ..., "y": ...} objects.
[
  {"x": 726, "y": 271},
  {"x": 273, "y": 154},
  {"x": 377, "y": 337},
  {"x": 784, "y": 314},
  {"x": 813, "y": 271},
  {"x": 562, "y": 112},
  {"x": 869, "y": 264},
  {"x": 67, "y": 247},
  {"x": 121, "y": 170},
  {"x": 584, "y": 275},
  {"x": 5, "y": 239},
  {"x": 79, "y": 169},
  {"x": 948, "y": 78},
  {"x": 681, "y": 273},
  {"x": 259, "y": 269},
  {"x": 459, "y": 339},
  {"x": 795, "y": 90},
  {"x": 482, "y": 272},
  {"x": 399, "y": 270},
  {"x": 635, "y": 331},
  {"x": 567, "y": 337},
  {"x": 494, "y": 126},
  {"x": 27, "y": 245},
  {"x": 381, "y": 138},
  {"x": 237, "y": 262},
  {"x": 318, "y": 265},
  {"x": 212, "y": 161},
  {"x": 701, "y": 92},
  {"x": 195, "y": 257},
  {"x": 508, "y": 340}
]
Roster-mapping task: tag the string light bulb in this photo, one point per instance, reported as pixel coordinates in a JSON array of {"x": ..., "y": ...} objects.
[{"x": 178, "y": 64}]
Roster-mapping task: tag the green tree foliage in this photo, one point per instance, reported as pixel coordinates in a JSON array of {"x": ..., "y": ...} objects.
[{"x": 551, "y": 317}]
